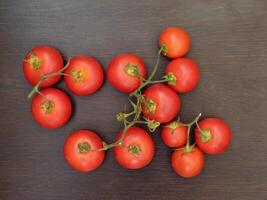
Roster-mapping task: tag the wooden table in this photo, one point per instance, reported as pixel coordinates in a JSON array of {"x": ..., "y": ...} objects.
[{"x": 230, "y": 45}]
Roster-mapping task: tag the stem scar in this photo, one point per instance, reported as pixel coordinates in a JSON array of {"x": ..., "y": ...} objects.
[
  {"x": 34, "y": 61},
  {"x": 47, "y": 106}
]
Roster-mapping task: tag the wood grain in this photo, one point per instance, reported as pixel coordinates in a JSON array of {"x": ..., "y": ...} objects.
[{"x": 230, "y": 45}]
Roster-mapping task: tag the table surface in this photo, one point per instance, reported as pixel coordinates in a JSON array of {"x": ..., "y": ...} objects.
[{"x": 229, "y": 44}]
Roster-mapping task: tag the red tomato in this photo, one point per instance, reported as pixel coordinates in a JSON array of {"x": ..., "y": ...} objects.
[
  {"x": 123, "y": 71},
  {"x": 162, "y": 103},
  {"x": 137, "y": 150},
  {"x": 215, "y": 136},
  {"x": 188, "y": 164},
  {"x": 176, "y": 40},
  {"x": 86, "y": 75},
  {"x": 77, "y": 150},
  {"x": 185, "y": 74},
  {"x": 53, "y": 109},
  {"x": 174, "y": 134},
  {"x": 42, "y": 60}
]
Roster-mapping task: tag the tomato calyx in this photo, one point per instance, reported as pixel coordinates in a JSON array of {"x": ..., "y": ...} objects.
[
  {"x": 84, "y": 147},
  {"x": 164, "y": 49},
  {"x": 132, "y": 70},
  {"x": 205, "y": 135},
  {"x": 34, "y": 61},
  {"x": 152, "y": 125},
  {"x": 105, "y": 145},
  {"x": 150, "y": 106},
  {"x": 170, "y": 78},
  {"x": 134, "y": 149},
  {"x": 120, "y": 116},
  {"x": 78, "y": 75},
  {"x": 47, "y": 106},
  {"x": 188, "y": 148},
  {"x": 174, "y": 125}
]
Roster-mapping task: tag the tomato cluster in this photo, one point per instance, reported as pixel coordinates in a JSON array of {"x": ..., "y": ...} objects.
[{"x": 159, "y": 104}]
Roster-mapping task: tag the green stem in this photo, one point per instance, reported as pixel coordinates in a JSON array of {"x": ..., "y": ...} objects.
[
  {"x": 138, "y": 109},
  {"x": 64, "y": 74},
  {"x": 129, "y": 114},
  {"x": 106, "y": 147},
  {"x": 188, "y": 138},
  {"x": 35, "y": 89},
  {"x": 159, "y": 81},
  {"x": 141, "y": 122},
  {"x": 194, "y": 121},
  {"x": 189, "y": 125},
  {"x": 119, "y": 142},
  {"x": 32, "y": 92},
  {"x": 200, "y": 130},
  {"x": 151, "y": 75},
  {"x": 124, "y": 132}
]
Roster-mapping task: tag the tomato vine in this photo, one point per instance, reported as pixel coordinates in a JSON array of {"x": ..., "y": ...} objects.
[{"x": 136, "y": 99}]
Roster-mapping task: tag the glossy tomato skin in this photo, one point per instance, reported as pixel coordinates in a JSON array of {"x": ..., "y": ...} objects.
[
  {"x": 187, "y": 164},
  {"x": 174, "y": 137},
  {"x": 47, "y": 60},
  {"x": 86, "y": 75},
  {"x": 220, "y": 136},
  {"x": 165, "y": 100},
  {"x": 83, "y": 161},
  {"x": 176, "y": 40},
  {"x": 186, "y": 73},
  {"x": 139, "y": 138},
  {"x": 117, "y": 76},
  {"x": 53, "y": 111}
]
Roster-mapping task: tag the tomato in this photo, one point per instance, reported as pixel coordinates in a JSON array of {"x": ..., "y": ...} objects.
[
  {"x": 78, "y": 150},
  {"x": 174, "y": 134},
  {"x": 53, "y": 109},
  {"x": 125, "y": 72},
  {"x": 176, "y": 40},
  {"x": 161, "y": 104},
  {"x": 42, "y": 60},
  {"x": 215, "y": 136},
  {"x": 137, "y": 150},
  {"x": 184, "y": 73},
  {"x": 187, "y": 164},
  {"x": 85, "y": 75}
]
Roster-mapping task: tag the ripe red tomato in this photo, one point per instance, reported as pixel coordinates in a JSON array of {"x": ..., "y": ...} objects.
[
  {"x": 174, "y": 134},
  {"x": 137, "y": 150},
  {"x": 188, "y": 164},
  {"x": 78, "y": 150},
  {"x": 53, "y": 109},
  {"x": 176, "y": 40},
  {"x": 185, "y": 74},
  {"x": 86, "y": 75},
  {"x": 215, "y": 136},
  {"x": 42, "y": 60},
  {"x": 123, "y": 72},
  {"x": 161, "y": 104}
]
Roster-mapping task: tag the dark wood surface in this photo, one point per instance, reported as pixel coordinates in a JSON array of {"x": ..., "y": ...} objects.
[{"x": 230, "y": 45}]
